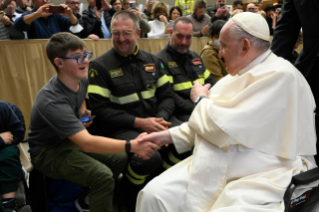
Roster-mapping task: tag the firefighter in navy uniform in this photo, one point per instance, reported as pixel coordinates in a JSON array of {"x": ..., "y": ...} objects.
[
  {"x": 130, "y": 93},
  {"x": 184, "y": 67}
]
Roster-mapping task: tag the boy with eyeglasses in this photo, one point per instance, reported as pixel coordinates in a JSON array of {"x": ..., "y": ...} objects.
[{"x": 60, "y": 145}]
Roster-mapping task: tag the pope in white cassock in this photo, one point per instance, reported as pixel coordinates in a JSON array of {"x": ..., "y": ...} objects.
[{"x": 252, "y": 132}]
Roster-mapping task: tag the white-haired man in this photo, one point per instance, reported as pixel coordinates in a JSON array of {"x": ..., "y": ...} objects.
[{"x": 252, "y": 132}]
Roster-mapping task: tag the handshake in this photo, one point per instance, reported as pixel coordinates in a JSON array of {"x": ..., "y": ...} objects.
[{"x": 145, "y": 145}]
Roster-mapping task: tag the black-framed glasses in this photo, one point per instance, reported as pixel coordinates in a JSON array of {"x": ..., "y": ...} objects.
[
  {"x": 80, "y": 59},
  {"x": 125, "y": 34},
  {"x": 251, "y": 9}
]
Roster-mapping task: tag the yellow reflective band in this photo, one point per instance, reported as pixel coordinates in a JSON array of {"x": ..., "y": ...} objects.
[
  {"x": 182, "y": 86},
  {"x": 99, "y": 90},
  {"x": 130, "y": 171},
  {"x": 171, "y": 80},
  {"x": 161, "y": 81},
  {"x": 200, "y": 80},
  {"x": 136, "y": 182},
  {"x": 165, "y": 165},
  {"x": 125, "y": 99},
  {"x": 173, "y": 158},
  {"x": 206, "y": 74},
  {"x": 148, "y": 94}
]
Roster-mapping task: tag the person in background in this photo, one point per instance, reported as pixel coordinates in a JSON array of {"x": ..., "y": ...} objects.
[
  {"x": 97, "y": 21},
  {"x": 11, "y": 13},
  {"x": 11, "y": 134},
  {"x": 262, "y": 13},
  {"x": 219, "y": 11},
  {"x": 235, "y": 12},
  {"x": 40, "y": 24},
  {"x": 271, "y": 17},
  {"x": 260, "y": 5},
  {"x": 7, "y": 29},
  {"x": 209, "y": 54},
  {"x": 75, "y": 7},
  {"x": 159, "y": 26},
  {"x": 144, "y": 25},
  {"x": 295, "y": 54},
  {"x": 116, "y": 4},
  {"x": 200, "y": 19},
  {"x": 237, "y": 5},
  {"x": 251, "y": 8},
  {"x": 174, "y": 13},
  {"x": 23, "y": 6},
  {"x": 185, "y": 5}
]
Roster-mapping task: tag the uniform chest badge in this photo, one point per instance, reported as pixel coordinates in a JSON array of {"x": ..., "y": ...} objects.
[
  {"x": 172, "y": 64},
  {"x": 149, "y": 67},
  {"x": 197, "y": 62},
  {"x": 116, "y": 73},
  {"x": 200, "y": 75}
]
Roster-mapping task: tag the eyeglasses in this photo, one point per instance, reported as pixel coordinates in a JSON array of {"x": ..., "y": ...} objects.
[
  {"x": 80, "y": 59},
  {"x": 125, "y": 34},
  {"x": 74, "y": 3},
  {"x": 251, "y": 8}
]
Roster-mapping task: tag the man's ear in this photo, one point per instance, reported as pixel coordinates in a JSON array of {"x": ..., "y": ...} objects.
[
  {"x": 170, "y": 32},
  {"x": 246, "y": 47},
  {"x": 58, "y": 62},
  {"x": 138, "y": 33}
]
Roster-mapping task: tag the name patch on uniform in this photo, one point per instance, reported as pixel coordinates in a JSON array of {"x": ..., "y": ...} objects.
[
  {"x": 172, "y": 64},
  {"x": 149, "y": 67},
  {"x": 197, "y": 62},
  {"x": 116, "y": 73},
  {"x": 92, "y": 72}
]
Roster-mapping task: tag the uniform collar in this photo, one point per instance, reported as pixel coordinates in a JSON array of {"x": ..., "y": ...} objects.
[
  {"x": 255, "y": 62},
  {"x": 137, "y": 54}
]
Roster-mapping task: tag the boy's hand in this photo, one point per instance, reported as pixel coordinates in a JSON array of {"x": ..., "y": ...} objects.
[
  {"x": 85, "y": 114},
  {"x": 144, "y": 150},
  {"x": 7, "y": 137}
]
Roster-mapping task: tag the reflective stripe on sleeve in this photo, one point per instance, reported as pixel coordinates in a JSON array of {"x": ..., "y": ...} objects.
[
  {"x": 161, "y": 81},
  {"x": 206, "y": 74},
  {"x": 182, "y": 86},
  {"x": 171, "y": 80},
  {"x": 95, "y": 89},
  {"x": 148, "y": 94},
  {"x": 125, "y": 99}
]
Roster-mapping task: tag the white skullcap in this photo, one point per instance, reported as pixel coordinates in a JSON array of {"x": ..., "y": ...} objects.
[{"x": 253, "y": 24}]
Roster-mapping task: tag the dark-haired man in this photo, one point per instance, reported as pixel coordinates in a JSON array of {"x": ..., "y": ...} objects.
[
  {"x": 219, "y": 11},
  {"x": 237, "y": 5}
]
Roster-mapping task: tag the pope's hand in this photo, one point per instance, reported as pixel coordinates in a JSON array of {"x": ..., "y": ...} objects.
[
  {"x": 144, "y": 150},
  {"x": 199, "y": 90}
]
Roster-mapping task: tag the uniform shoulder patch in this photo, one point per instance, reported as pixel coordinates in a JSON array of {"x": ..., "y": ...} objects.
[
  {"x": 196, "y": 62},
  {"x": 172, "y": 64},
  {"x": 93, "y": 72},
  {"x": 116, "y": 73},
  {"x": 149, "y": 67}
]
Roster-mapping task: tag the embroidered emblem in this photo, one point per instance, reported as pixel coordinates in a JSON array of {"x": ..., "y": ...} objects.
[
  {"x": 92, "y": 72},
  {"x": 150, "y": 67},
  {"x": 162, "y": 66},
  {"x": 151, "y": 87},
  {"x": 172, "y": 64},
  {"x": 197, "y": 62},
  {"x": 116, "y": 73}
]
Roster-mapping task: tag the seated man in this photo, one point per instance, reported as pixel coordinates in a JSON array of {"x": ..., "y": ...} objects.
[
  {"x": 11, "y": 13},
  {"x": 7, "y": 29},
  {"x": 11, "y": 134},
  {"x": 252, "y": 131},
  {"x": 40, "y": 24},
  {"x": 98, "y": 21},
  {"x": 129, "y": 95},
  {"x": 185, "y": 67},
  {"x": 60, "y": 146}
]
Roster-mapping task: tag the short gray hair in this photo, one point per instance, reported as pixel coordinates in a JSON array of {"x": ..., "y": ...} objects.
[
  {"x": 239, "y": 34},
  {"x": 182, "y": 19},
  {"x": 125, "y": 14}
]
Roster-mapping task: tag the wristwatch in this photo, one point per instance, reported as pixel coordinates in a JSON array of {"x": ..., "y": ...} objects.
[
  {"x": 128, "y": 146},
  {"x": 198, "y": 98}
]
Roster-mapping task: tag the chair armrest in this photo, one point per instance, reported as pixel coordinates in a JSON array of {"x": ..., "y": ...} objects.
[{"x": 306, "y": 177}]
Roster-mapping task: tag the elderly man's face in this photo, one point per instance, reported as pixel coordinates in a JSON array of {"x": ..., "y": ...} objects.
[
  {"x": 124, "y": 35},
  {"x": 230, "y": 50},
  {"x": 218, "y": 2},
  {"x": 74, "y": 5},
  {"x": 181, "y": 38},
  {"x": 251, "y": 8}
]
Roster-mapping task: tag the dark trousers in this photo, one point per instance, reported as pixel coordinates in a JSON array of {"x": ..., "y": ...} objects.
[
  {"x": 10, "y": 169},
  {"x": 65, "y": 160}
]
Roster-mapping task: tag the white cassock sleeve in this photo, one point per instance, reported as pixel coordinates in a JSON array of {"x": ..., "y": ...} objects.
[{"x": 183, "y": 137}]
